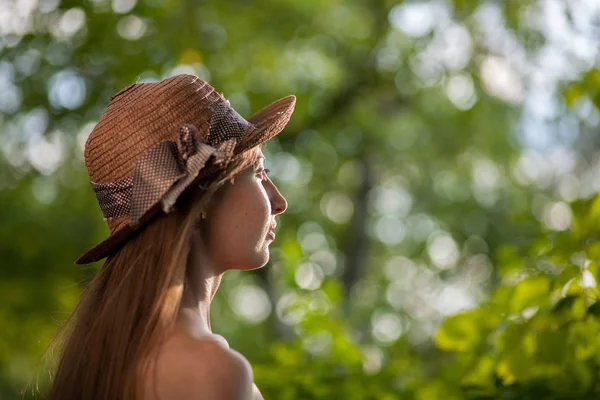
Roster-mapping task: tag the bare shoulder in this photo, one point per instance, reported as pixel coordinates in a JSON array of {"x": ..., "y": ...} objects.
[{"x": 200, "y": 369}]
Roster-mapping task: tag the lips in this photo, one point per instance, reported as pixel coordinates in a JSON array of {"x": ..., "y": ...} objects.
[{"x": 272, "y": 231}]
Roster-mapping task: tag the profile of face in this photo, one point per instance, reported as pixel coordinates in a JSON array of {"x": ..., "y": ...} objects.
[{"x": 239, "y": 218}]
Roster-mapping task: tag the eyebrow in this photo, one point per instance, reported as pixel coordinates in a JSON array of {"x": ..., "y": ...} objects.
[{"x": 257, "y": 162}]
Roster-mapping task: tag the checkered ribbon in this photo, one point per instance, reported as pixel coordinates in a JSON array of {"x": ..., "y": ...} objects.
[{"x": 168, "y": 168}]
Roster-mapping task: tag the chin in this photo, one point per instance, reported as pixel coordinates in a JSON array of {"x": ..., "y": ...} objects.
[
  {"x": 251, "y": 267},
  {"x": 256, "y": 260},
  {"x": 261, "y": 261}
]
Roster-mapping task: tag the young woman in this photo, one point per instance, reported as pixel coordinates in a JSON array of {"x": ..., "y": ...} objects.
[{"x": 180, "y": 179}]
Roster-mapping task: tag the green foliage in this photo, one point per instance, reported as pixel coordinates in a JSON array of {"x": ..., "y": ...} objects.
[
  {"x": 589, "y": 85},
  {"x": 541, "y": 335}
]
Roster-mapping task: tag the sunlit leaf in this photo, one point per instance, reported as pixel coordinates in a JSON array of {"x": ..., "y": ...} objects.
[
  {"x": 530, "y": 292},
  {"x": 459, "y": 333}
]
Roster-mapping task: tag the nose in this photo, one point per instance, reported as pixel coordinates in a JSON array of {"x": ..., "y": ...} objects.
[{"x": 278, "y": 202}]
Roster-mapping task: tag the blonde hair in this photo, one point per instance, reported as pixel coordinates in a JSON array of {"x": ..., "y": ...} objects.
[{"x": 131, "y": 303}]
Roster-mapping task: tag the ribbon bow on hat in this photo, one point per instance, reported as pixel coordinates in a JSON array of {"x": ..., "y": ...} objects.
[{"x": 167, "y": 169}]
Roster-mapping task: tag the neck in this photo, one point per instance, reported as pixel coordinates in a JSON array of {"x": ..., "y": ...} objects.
[
  {"x": 203, "y": 280},
  {"x": 195, "y": 303}
]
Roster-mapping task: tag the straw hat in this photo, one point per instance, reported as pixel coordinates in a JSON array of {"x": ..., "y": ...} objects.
[{"x": 156, "y": 139}]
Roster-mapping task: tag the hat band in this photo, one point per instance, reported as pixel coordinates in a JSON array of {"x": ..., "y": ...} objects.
[{"x": 168, "y": 168}]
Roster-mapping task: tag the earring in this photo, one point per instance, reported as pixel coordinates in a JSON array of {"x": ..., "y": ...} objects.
[{"x": 203, "y": 214}]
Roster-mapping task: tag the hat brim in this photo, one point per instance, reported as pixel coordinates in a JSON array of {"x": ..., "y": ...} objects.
[{"x": 268, "y": 122}]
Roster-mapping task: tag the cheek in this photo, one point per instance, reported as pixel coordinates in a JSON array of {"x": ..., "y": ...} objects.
[
  {"x": 240, "y": 221},
  {"x": 246, "y": 207}
]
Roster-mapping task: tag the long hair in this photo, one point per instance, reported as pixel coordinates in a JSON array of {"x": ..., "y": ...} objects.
[{"x": 131, "y": 304}]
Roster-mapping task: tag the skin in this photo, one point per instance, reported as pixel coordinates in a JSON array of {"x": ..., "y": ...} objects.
[{"x": 233, "y": 236}]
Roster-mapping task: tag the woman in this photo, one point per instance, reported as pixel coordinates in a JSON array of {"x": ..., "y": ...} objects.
[{"x": 180, "y": 179}]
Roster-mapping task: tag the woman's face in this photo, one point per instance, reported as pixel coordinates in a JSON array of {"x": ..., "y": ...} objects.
[{"x": 239, "y": 218}]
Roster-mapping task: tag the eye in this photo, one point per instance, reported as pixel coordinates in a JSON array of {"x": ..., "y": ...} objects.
[{"x": 262, "y": 172}]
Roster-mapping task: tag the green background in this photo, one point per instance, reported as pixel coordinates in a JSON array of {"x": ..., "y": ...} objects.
[{"x": 441, "y": 170}]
